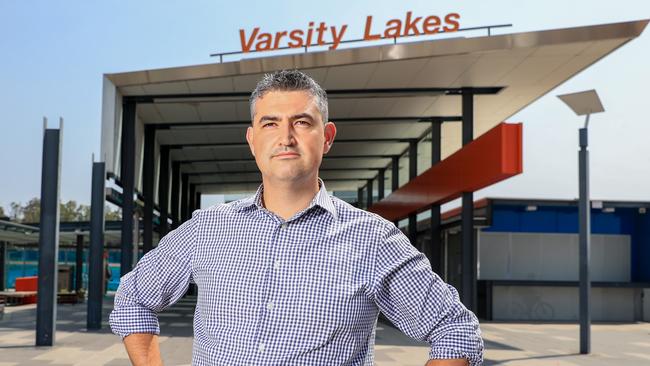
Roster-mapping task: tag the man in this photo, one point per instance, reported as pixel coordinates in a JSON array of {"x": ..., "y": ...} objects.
[{"x": 292, "y": 276}]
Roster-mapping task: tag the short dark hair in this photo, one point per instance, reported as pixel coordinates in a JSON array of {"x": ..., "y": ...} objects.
[{"x": 289, "y": 80}]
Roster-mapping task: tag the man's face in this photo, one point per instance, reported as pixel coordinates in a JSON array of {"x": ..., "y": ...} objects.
[{"x": 288, "y": 137}]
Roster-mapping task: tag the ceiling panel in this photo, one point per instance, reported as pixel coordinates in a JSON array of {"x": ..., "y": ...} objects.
[
  {"x": 348, "y": 76},
  {"x": 214, "y": 85}
]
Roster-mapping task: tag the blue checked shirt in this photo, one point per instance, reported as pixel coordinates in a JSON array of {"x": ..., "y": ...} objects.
[{"x": 305, "y": 291}]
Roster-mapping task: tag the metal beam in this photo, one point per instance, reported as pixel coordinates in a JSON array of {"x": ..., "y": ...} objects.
[
  {"x": 192, "y": 174},
  {"x": 359, "y": 197},
  {"x": 395, "y": 173},
  {"x": 127, "y": 175},
  {"x": 191, "y": 199},
  {"x": 413, "y": 172},
  {"x": 48, "y": 240},
  {"x": 328, "y": 157},
  {"x": 79, "y": 263},
  {"x": 163, "y": 192},
  {"x": 468, "y": 243},
  {"x": 147, "y": 187},
  {"x": 96, "y": 250},
  {"x": 369, "y": 193},
  {"x": 245, "y": 144},
  {"x": 331, "y": 94},
  {"x": 197, "y": 200},
  {"x": 3, "y": 258},
  {"x": 404, "y": 119},
  {"x": 184, "y": 197},
  {"x": 198, "y": 184},
  {"x": 176, "y": 193},
  {"x": 381, "y": 177},
  {"x": 435, "y": 245}
]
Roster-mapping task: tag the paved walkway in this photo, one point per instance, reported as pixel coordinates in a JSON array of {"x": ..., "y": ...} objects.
[{"x": 506, "y": 343}]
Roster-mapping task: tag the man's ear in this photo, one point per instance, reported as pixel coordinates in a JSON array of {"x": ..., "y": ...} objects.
[
  {"x": 330, "y": 134},
  {"x": 249, "y": 139}
]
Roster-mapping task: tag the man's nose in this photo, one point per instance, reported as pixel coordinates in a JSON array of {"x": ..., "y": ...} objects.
[{"x": 287, "y": 135}]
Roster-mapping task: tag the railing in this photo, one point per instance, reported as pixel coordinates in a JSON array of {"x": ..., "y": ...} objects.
[{"x": 486, "y": 27}]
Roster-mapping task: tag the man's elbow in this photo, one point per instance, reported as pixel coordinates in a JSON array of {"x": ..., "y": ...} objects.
[{"x": 448, "y": 362}]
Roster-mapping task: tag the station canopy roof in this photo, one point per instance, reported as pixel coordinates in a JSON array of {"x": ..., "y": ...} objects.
[{"x": 380, "y": 97}]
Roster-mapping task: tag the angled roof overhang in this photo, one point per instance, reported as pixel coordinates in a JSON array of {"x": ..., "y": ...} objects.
[{"x": 381, "y": 97}]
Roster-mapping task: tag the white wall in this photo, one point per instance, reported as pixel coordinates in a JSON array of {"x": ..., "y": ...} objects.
[
  {"x": 561, "y": 303},
  {"x": 551, "y": 257}
]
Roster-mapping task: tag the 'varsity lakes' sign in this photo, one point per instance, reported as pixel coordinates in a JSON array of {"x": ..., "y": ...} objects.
[{"x": 324, "y": 34}]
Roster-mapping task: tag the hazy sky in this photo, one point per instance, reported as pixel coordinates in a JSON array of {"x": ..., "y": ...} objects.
[{"x": 53, "y": 55}]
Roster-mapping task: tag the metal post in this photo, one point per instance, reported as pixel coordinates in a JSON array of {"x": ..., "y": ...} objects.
[
  {"x": 359, "y": 197},
  {"x": 413, "y": 172},
  {"x": 468, "y": 246},
  {"x": 184, "y": 196},
  {"x": 48, "y": 240},
  {"x": 175, "y": 194},
  {"x": 96, "y": 250},
  {"x": 395, "y": 174},
  {"x": 163, "y": 191},
  {"x": 3, "y": 258},
  {"x": 197, "y": 200},
  {"x": 79, "y": 263},
  {"x": 585, "y": 243},
  {"x": 128, "y": 186},
  {"x": 435, "y": 248},
  {"x": 192, "y": 200},
  {"x": 381, "y": 177},
  {"x": 369, "y": 193},
  {"x": 147, "y": 187}
]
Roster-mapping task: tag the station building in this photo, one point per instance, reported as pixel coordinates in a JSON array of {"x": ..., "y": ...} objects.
[{"x": 420, "y": 123}]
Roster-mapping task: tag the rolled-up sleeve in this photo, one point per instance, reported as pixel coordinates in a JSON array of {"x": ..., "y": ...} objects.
[
  {"x": 159, "y": 279},
  {"x": 420, "y": 303}
]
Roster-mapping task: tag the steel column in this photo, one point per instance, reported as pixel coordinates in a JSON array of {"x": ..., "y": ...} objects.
[
  {"x": 435, "y": 245},
  {"x": 369, "y": 193},
  {"x": 184, "y": 197},
  {"x": 79, "y": 263},
  {"x": 381, "y": 177},
  {"x": 359, "y": 197},
  {"x": 175, "y": 194},
  {"x": 163, "y": 192},
  {"x": 147, "y": 187},
  {"x": 127, "y": 178},
  {"x": 413, "y": 172},
  {"x": 197, "y": 200},
  {"x": 394, "y": 174},
  {"x": 48, "y": 240},
  {"x": 585, "y": 243},
  {"x": 192, "y": 200},
  {"x": 3, "y": 258},
  {"x": 96, "y": 248},
  {"x": 468, "y": 243}
]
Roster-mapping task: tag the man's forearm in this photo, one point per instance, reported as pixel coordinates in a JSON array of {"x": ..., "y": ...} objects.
[
  {"x": 143, "y": 349},
  {"x": 449, "y": 362}
]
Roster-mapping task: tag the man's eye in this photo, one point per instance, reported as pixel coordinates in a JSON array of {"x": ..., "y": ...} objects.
[
  {"x": 268, "y": 124},
  {"x": 301, "y": 122}
]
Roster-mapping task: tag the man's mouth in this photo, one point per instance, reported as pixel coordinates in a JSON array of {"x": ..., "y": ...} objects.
[{"x": 286, "y": 154}]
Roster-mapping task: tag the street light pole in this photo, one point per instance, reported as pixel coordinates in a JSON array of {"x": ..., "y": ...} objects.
[
  {"x": 585, "y": 241},
  {"x": 584, "y": 104}
]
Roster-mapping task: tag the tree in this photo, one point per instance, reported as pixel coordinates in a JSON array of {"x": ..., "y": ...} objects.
[
  {"x": 31, "y": 212},
  {"x": 2, "y": 212}
]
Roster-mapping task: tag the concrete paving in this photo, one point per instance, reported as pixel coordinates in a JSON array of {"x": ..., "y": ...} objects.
[{"x": 506, "y": 343}]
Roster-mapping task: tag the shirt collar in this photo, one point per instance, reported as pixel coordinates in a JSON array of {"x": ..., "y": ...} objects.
[{"x": 321, "y": 199}]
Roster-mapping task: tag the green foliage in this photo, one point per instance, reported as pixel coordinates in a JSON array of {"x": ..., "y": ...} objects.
[{"x": 68, "y": 211}]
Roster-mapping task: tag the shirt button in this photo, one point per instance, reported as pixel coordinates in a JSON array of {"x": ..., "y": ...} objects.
[
  {"x": 261, "y": 347},
  {"x": 284, "y": 225},
  {"x": 270, "y": 305},
  {"x": 276, "y": 265}
]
